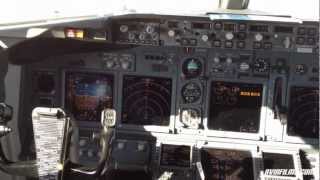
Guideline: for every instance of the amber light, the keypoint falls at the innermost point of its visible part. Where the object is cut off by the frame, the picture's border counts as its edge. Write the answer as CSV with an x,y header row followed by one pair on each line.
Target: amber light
x,y
74,33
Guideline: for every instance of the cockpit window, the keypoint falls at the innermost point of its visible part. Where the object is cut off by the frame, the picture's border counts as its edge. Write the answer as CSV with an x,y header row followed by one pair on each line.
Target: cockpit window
x,y
35,10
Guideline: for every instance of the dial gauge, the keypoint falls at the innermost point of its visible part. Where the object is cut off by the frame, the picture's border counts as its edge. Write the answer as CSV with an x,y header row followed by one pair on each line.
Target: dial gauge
x,y
192,67
191,118
191,92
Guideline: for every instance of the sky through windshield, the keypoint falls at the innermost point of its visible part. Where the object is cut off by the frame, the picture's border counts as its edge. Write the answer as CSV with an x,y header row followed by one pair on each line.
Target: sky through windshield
x,y
21,10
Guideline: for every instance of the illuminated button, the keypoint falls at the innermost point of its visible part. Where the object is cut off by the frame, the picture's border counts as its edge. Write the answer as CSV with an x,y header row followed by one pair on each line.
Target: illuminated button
x,y
241,36
110,64
141,147
80,152
83,142
300,69
228,44
90,153
217,26
300,40
311,41
242,27
241,44
193,42
267,45
184,42
217,43
125,65
120,145
244,66
257,45
258,37
301,31
311,31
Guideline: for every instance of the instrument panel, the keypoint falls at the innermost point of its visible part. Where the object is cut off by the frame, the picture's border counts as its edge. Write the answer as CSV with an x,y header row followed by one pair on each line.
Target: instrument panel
x,y
189,79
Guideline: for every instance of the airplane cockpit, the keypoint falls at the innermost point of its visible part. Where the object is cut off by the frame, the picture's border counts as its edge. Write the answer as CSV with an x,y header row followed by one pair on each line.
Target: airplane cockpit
x,y
227,95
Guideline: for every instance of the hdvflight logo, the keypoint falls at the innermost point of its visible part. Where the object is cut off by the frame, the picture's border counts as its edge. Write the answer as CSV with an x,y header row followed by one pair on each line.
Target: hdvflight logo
x,y
286,172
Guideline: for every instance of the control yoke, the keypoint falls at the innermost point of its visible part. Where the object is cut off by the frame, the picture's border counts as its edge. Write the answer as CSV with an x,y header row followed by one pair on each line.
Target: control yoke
x,y
53,132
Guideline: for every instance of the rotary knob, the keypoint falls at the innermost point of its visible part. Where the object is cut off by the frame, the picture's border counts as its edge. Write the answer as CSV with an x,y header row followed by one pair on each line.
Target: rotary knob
x,y
171,33
204,38
229,60
229,35
216,60
149,29
124,28
142,36
258,37
131,36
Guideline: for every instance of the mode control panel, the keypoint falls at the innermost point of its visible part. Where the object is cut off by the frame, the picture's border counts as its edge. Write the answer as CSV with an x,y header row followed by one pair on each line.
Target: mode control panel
x,y
137,32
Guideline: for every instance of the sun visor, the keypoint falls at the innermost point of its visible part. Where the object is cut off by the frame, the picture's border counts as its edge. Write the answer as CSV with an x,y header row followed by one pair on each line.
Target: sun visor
x,y
55,42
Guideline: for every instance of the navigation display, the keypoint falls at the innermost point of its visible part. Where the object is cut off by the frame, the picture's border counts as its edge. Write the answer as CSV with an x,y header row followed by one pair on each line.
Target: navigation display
x,y
146,100
175,155
87,94
220,164
235,107
303,119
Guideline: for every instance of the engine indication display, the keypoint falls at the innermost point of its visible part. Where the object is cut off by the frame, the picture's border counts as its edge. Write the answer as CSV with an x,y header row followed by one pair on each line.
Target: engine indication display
x,y
146,100
235,107
303,119
227,164
175,155
192,67
87,94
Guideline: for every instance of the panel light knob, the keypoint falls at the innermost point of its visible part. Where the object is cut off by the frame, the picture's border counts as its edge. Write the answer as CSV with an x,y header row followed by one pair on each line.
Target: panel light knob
x,y
229,35
258,37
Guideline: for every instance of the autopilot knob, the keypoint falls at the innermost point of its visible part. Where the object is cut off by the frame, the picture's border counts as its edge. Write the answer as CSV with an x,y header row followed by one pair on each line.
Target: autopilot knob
x,y
171,33
149,29
258,37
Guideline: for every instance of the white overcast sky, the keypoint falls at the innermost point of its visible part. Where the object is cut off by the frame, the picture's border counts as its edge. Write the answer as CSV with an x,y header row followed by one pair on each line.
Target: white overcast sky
x,y
21,10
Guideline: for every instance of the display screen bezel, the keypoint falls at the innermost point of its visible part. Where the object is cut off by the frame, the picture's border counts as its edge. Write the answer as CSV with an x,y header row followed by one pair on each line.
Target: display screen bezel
x,y
90,72
211,105
175,166
231,134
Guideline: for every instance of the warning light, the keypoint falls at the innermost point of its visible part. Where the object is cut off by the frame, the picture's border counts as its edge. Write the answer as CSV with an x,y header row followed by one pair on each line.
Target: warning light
x,y
74,33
